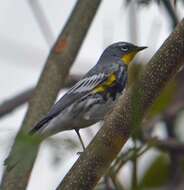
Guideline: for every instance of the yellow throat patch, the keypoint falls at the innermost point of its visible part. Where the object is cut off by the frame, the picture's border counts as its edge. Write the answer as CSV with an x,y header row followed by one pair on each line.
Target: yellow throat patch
x,y
128,57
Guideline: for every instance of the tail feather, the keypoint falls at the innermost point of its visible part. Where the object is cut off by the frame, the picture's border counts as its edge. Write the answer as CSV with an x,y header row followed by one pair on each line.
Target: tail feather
x,y
39,125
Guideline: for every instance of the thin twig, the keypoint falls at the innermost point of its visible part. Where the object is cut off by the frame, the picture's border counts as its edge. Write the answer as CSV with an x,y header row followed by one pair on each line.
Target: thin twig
x,y
9,105
12,103
167,145
140,152
117,184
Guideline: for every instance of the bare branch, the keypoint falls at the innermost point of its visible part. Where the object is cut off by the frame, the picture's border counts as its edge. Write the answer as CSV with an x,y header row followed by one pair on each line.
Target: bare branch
x,y
168,145
11,104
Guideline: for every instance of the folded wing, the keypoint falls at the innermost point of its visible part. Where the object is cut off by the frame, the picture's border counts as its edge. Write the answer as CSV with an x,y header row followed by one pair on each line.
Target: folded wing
x,y
83,87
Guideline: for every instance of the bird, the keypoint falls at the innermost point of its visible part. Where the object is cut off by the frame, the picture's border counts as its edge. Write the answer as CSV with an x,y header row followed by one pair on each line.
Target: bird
x,y
92,97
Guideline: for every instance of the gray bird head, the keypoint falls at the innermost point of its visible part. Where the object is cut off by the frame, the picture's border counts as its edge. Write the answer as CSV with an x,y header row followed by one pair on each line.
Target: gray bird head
x,y
123,50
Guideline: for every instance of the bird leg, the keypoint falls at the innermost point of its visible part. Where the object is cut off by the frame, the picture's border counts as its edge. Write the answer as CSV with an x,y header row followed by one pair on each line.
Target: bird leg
x,y
81,141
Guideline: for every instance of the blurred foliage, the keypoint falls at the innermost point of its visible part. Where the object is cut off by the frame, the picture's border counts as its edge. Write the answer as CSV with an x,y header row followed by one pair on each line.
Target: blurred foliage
x,y
143,2
158,173
147,2
165,98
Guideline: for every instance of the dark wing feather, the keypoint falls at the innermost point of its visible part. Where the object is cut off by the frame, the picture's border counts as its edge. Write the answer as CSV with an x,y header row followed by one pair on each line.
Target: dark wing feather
x,y
40,124
80,89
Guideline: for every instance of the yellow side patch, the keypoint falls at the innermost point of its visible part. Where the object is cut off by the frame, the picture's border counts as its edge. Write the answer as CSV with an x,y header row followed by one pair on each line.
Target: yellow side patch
x,y
99,89
128,57
108,83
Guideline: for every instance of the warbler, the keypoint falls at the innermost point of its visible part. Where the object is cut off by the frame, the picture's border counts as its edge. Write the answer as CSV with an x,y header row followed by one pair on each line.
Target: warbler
x,y
89,100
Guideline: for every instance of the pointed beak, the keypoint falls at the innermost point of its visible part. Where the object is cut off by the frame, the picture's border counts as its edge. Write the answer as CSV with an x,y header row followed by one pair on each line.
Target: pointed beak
x,y
141,48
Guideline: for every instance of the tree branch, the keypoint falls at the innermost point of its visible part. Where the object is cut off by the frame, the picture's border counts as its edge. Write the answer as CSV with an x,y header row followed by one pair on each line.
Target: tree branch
x,y
129,110
9,105
60,59
168,145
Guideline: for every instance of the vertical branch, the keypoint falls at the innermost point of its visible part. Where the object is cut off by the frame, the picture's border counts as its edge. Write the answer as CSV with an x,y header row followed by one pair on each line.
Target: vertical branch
x,y
60,59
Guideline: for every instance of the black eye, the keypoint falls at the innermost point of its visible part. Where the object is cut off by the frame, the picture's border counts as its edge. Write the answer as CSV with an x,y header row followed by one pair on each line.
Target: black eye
x,y
124,48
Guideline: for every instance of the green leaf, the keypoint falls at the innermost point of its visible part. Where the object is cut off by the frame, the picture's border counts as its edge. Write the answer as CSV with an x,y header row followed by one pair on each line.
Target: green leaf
x,y
158,173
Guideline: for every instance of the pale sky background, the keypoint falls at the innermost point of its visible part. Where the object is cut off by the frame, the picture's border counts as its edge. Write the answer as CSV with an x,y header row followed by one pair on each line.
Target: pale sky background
x,y
24,49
